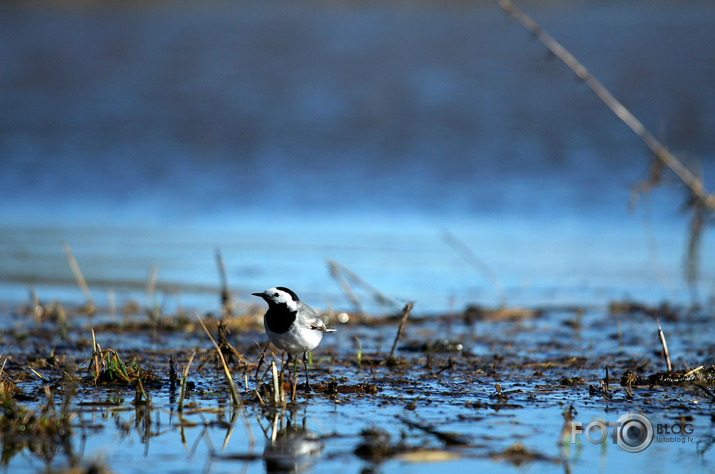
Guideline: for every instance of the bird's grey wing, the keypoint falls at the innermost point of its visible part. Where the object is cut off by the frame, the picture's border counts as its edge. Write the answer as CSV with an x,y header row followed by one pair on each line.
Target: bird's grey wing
x,y
319,325
315,321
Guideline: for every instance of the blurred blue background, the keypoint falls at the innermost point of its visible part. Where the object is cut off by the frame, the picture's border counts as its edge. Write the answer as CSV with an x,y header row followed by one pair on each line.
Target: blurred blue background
x,y
287,133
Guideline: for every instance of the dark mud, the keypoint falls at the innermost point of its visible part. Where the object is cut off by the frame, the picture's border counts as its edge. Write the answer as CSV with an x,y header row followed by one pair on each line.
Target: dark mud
x,y
490,388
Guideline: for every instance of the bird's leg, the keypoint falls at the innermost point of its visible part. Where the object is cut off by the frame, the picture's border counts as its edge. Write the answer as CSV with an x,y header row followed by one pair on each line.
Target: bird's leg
x,y
287,362
305,364
294,380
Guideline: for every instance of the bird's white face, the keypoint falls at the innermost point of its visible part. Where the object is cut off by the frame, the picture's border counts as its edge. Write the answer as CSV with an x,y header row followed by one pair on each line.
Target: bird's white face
x,y
279,297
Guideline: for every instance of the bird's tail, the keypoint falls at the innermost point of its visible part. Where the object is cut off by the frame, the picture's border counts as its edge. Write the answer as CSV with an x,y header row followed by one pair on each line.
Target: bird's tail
x,y
320,326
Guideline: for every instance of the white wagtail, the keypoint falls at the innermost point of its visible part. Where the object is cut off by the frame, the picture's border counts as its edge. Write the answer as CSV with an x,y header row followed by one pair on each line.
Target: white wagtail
x,y
292,325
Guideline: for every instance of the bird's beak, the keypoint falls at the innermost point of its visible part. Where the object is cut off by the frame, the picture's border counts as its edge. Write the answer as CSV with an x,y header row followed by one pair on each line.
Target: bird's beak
x,y
260,295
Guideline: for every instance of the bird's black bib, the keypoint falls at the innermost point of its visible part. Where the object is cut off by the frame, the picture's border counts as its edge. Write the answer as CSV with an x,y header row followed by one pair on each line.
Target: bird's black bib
x,y
279,319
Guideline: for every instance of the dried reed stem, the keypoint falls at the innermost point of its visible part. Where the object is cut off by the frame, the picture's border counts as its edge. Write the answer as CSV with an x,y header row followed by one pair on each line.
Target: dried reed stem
x,y
276,385
344,286
96,351
79,278
184,378
405,313
226,306
232,386
666,354
658,149
140,389
467,254
342,274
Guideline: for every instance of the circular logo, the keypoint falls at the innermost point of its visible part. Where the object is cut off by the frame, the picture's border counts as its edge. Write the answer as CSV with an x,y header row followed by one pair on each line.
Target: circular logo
x,y
634,432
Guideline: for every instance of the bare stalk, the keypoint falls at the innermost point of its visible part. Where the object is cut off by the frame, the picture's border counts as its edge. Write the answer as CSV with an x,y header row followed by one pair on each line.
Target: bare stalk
x,y
344,286
184,378
655,146
276,385
343,274
467,254
79,278
405,313
666,354
232,386
226,306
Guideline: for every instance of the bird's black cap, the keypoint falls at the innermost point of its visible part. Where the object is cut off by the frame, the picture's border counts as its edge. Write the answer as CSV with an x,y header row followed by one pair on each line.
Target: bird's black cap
x,y
282,288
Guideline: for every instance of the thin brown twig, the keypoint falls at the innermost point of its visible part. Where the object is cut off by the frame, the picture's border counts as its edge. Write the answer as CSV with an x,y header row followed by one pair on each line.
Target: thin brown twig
x,y
655,146
706,390
236,398
140,390
344,286
405,313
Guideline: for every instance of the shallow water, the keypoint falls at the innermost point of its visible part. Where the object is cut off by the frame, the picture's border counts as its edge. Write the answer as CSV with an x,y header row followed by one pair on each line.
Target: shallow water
x,y
287,135
451,393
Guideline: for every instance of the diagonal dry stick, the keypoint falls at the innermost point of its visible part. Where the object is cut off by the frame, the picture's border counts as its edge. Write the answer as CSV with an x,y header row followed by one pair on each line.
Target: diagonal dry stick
x,y
235,397
347,290
467,254
342,274
405,313
658,149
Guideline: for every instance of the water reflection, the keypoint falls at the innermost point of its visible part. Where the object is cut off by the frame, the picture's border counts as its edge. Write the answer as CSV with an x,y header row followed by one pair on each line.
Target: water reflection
x,y
290,447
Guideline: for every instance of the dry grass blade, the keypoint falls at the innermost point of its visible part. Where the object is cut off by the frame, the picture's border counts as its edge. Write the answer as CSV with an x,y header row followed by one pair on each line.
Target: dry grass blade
x,y
666,354
230,353
74,266
150,288
277,392
96,355
38,375
235,397
184,379
141,392
691,372
344,286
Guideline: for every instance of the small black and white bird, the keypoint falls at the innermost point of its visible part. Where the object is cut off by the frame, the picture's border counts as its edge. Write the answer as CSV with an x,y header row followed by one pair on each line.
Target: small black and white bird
x,y
292,325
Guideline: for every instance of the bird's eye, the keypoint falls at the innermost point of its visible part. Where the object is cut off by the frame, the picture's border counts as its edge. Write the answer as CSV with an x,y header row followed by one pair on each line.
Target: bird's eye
x,y
275,295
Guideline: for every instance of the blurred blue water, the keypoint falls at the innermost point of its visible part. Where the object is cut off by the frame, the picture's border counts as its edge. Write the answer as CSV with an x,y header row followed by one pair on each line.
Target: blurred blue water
x,y
289,134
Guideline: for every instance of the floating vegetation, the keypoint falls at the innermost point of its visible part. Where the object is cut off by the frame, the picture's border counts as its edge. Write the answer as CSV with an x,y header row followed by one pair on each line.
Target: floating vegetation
x,y
697,377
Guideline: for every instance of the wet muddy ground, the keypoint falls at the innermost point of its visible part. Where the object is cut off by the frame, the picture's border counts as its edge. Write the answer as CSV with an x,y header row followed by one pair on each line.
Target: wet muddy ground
x,y
499,390
118,129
